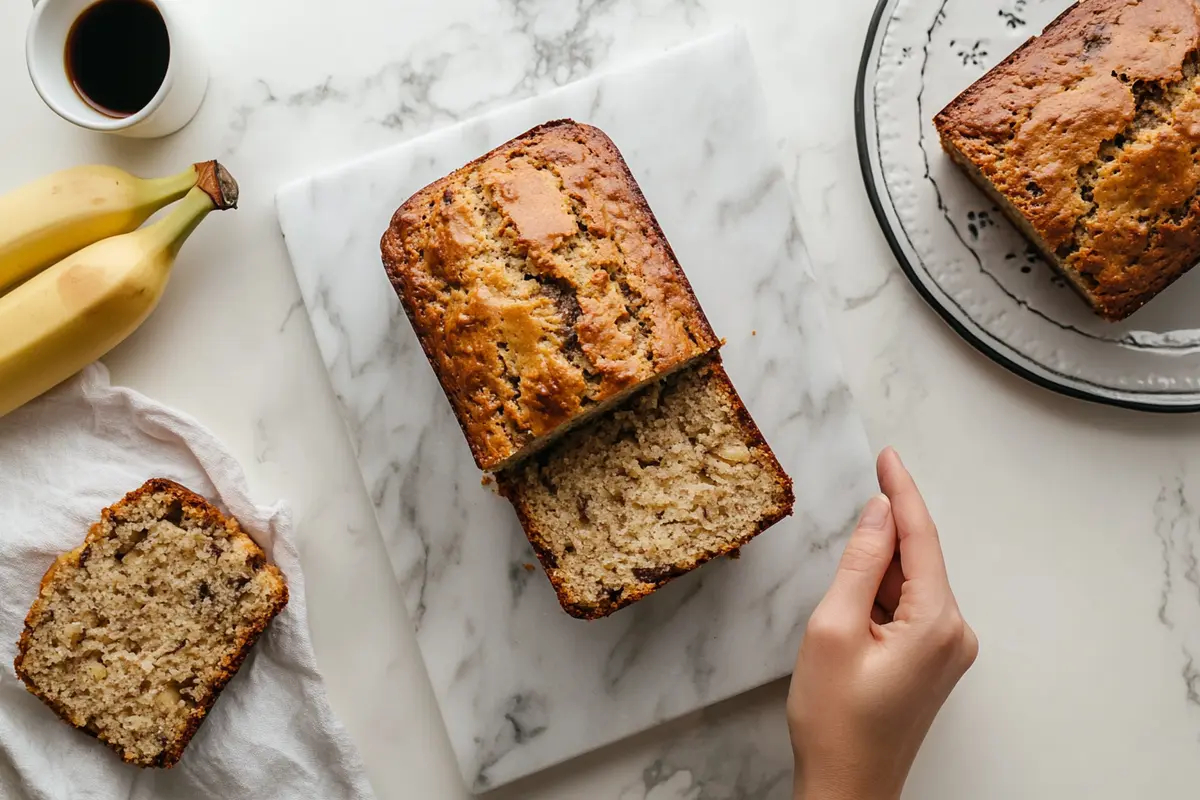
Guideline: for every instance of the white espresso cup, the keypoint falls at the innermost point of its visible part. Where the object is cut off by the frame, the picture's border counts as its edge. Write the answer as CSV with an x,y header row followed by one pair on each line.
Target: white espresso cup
x,y
172,107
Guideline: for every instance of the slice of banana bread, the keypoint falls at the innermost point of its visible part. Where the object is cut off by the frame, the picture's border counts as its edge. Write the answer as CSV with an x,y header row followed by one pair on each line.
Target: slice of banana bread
x,y
134,633
678,475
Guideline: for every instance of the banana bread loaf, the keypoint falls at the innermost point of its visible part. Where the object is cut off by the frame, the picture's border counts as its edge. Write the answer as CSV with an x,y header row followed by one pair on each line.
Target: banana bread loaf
x,y
135,633
677,475
1087,137
541,288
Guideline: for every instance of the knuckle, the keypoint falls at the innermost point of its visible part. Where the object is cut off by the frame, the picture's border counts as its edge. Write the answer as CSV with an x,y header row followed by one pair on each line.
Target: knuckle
x,y
950,631
955,640
970,646
825,628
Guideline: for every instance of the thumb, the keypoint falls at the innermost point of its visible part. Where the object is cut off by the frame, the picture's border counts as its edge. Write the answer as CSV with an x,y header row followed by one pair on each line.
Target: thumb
x,y
865,560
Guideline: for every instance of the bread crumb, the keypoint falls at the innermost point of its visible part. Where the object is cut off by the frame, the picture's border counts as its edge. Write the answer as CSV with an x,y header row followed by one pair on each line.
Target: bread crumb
x,y
529,567
754,333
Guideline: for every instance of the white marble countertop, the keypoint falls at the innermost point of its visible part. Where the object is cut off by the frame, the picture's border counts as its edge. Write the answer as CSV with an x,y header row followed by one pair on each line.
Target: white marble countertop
x,y
1072,532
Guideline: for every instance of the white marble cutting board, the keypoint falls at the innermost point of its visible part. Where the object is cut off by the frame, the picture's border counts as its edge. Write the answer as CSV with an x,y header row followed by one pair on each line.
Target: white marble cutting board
x,y
520,684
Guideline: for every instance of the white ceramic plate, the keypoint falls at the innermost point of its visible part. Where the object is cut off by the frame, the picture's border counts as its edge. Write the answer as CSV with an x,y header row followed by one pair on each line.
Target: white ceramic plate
x,y
971,265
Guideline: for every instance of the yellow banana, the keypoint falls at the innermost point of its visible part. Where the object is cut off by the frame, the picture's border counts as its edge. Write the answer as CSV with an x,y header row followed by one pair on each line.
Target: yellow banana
x,y
71,314
47,220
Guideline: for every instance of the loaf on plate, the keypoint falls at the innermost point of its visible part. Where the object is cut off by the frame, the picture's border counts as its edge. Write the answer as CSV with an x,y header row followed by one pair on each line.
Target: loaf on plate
x,y
677,475
1086,137
134,633
541,288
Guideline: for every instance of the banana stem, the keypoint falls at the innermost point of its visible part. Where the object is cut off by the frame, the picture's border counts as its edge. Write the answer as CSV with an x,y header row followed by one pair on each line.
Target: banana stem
x,y
172,187
172,231
215,189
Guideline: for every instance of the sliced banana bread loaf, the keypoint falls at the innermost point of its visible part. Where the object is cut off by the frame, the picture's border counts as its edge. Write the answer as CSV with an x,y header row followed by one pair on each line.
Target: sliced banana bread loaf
x,y
541,288
134,633
677,475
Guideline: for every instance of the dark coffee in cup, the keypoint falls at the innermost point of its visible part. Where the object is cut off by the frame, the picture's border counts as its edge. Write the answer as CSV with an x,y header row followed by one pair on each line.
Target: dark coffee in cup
x,y
117,55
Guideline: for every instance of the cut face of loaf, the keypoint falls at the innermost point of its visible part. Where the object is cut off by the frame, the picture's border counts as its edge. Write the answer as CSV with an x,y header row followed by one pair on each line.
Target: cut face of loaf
x,y
541,288
676,476
1086,137
134,634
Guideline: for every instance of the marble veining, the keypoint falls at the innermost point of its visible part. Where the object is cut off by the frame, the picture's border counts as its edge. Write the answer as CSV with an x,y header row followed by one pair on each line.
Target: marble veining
x,y
521,686
470,62
1177,527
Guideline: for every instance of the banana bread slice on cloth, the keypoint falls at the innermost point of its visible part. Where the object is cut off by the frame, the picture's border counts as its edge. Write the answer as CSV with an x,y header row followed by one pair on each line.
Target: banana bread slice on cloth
x,y
271,734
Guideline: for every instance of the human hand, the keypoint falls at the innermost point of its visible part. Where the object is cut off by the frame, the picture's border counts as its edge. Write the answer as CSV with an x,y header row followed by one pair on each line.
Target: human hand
x,y
882,652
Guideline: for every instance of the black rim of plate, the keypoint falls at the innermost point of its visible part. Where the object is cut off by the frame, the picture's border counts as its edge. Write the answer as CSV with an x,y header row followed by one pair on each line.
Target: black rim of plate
x,y
864,161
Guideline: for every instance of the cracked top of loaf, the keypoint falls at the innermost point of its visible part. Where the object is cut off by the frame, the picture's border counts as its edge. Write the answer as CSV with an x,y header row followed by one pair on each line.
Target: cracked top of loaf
x,y
541,288
1087,135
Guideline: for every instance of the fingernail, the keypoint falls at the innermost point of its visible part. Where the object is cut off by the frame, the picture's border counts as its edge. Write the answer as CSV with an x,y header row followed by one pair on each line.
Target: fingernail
x,y
875,513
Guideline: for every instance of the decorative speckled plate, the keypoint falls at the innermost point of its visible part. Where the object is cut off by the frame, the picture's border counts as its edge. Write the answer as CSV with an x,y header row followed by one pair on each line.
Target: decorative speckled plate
x,y
962,255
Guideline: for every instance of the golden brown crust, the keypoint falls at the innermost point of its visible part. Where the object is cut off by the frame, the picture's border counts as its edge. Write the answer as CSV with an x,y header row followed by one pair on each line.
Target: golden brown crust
x,y
229,667
1088,134
582,608
197,508
541,288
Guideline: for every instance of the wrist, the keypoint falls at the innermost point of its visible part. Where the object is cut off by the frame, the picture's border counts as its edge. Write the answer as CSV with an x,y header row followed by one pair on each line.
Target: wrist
x,y
838,792
844,787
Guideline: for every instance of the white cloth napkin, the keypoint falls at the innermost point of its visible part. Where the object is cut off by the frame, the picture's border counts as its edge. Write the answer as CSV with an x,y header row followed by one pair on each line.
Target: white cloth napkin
x,y
271,733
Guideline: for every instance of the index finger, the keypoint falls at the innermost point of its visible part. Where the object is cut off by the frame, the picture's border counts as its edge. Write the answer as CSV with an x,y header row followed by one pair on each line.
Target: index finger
x,y
920,548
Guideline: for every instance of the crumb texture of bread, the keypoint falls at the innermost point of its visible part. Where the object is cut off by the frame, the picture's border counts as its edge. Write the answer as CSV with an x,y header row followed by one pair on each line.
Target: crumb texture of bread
x,y
541,288
1087,136
134,634
676,476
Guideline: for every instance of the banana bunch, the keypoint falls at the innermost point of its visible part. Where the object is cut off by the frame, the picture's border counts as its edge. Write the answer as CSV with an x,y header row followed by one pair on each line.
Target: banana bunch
x,y
77,275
